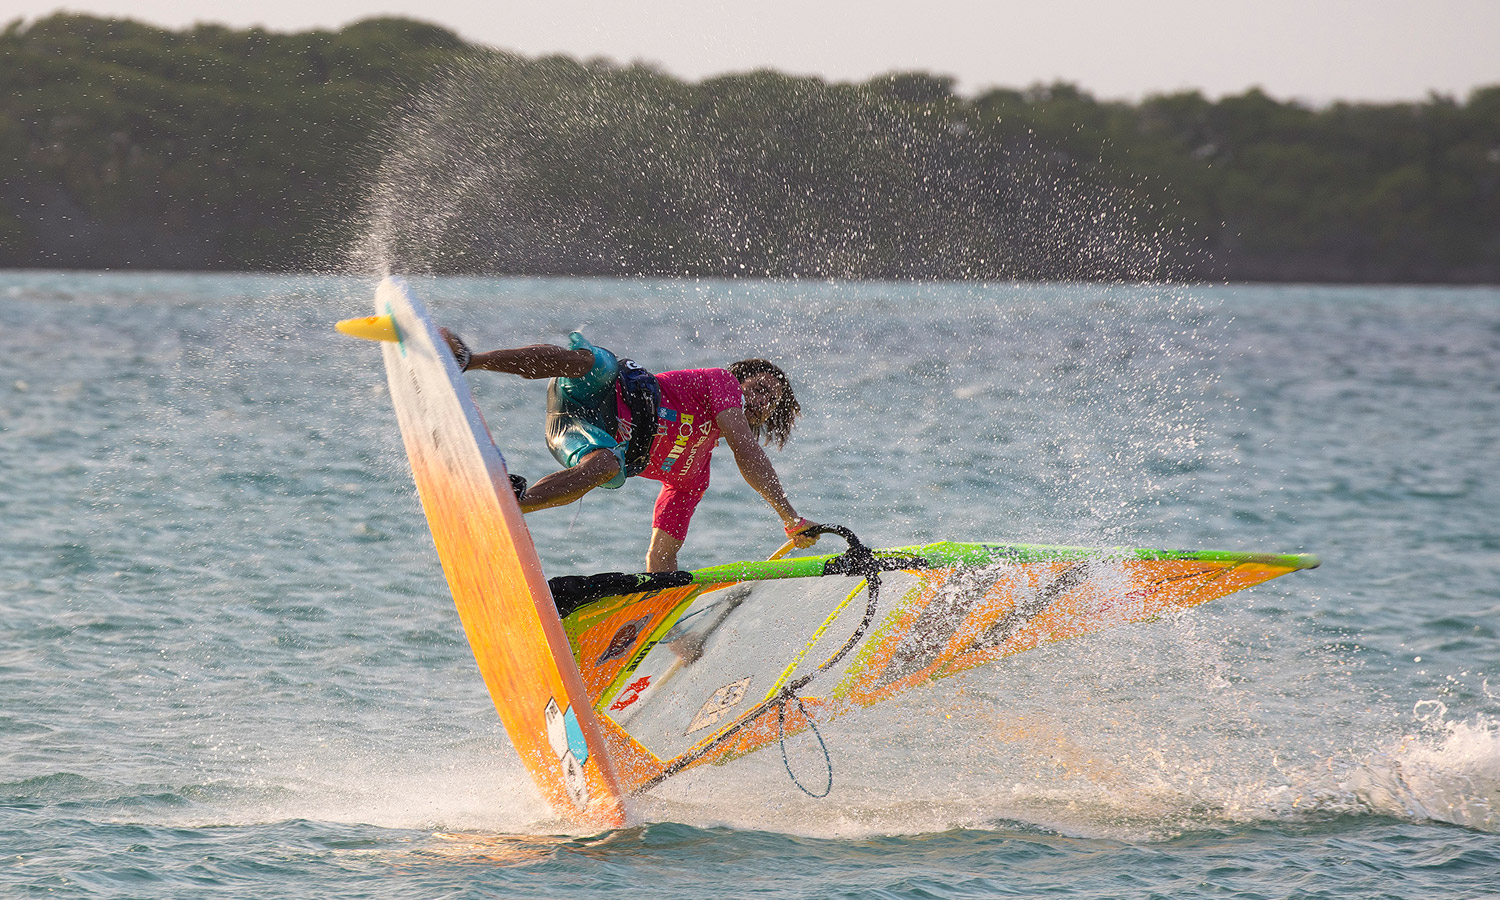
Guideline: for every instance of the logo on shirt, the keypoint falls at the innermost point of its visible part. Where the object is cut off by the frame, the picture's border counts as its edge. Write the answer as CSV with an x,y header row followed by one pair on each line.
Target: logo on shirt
x,y
684,435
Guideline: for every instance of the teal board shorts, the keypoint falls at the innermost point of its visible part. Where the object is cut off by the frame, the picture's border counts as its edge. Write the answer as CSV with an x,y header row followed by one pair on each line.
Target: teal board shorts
x,y
582,415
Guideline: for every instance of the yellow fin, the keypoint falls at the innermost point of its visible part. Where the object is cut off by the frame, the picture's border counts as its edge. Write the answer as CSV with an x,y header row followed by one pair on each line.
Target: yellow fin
x,y
371,328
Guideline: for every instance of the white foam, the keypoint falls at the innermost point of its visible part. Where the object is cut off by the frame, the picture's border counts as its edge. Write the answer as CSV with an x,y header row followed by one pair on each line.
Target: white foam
x,y
1450,773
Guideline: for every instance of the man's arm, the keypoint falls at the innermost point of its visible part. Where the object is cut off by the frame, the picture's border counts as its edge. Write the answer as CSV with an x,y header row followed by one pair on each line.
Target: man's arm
x,y
756,467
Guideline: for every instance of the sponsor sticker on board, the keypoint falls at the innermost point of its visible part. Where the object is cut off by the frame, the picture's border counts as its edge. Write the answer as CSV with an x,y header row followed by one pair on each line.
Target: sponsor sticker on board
x,y
566,738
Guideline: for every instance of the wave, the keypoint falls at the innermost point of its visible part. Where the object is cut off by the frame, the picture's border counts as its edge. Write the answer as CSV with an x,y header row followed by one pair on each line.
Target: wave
x,y
1449,774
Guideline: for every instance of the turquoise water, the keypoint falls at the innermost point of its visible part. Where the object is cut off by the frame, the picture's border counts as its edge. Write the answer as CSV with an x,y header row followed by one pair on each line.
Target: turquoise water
x,y
229,665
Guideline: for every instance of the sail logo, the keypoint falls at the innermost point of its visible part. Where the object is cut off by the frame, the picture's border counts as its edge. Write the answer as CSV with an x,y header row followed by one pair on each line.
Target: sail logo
x,y
631,693
624,639
723,700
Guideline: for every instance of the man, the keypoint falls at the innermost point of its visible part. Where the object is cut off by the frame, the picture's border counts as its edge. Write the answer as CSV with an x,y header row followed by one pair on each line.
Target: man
x,y
596,404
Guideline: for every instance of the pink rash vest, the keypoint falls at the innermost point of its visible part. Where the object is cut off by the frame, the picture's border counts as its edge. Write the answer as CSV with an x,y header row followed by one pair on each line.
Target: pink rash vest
x,y
686,432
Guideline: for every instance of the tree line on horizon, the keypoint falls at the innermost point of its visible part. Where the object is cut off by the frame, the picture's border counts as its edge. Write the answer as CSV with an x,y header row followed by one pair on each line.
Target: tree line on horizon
x,y
393,143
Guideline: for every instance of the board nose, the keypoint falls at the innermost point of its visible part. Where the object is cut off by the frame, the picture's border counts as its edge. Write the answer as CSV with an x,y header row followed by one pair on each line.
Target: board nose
x,y
371,328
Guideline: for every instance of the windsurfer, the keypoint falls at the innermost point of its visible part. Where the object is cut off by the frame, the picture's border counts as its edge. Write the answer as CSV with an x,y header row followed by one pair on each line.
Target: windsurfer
x,y
596,404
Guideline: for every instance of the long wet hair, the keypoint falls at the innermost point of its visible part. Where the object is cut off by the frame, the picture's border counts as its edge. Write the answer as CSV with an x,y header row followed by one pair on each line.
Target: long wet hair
x,y
784,412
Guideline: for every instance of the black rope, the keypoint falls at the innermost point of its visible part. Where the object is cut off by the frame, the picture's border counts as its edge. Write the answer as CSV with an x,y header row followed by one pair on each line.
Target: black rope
x,y
781,738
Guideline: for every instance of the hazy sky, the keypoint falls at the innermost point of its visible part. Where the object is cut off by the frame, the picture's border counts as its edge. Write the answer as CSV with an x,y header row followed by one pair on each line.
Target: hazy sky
x,y
1316,50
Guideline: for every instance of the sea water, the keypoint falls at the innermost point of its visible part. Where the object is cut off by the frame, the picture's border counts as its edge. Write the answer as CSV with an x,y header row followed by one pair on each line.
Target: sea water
x,y
229,665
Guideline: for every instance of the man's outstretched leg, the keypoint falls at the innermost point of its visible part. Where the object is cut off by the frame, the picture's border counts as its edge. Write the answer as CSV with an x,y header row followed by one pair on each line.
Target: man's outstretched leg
x,y
535,361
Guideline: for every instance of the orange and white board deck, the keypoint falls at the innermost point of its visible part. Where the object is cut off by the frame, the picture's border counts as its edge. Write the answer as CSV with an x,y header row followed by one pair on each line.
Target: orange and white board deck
x,y
491,565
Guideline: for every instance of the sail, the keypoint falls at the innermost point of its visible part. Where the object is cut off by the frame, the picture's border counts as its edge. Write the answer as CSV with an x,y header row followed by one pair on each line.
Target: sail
x,y
703,672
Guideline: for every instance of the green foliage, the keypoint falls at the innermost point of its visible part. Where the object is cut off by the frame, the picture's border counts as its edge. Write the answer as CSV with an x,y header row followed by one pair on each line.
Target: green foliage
x,y
127,145
203,148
